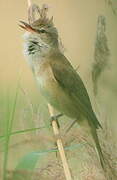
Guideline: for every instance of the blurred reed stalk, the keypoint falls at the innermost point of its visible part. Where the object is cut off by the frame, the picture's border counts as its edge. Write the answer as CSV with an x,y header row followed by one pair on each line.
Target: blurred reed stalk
x,y
110,3
101,53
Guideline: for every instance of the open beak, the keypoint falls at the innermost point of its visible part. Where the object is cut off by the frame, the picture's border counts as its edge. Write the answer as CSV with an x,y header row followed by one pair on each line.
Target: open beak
x,y
27,27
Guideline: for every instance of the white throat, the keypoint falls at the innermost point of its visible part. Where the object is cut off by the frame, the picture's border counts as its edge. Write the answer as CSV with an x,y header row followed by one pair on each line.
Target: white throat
x,y
34,48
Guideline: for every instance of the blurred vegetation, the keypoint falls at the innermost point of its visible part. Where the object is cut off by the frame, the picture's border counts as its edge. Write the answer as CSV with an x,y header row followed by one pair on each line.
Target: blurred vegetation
x,y
29,149
112,5
101,54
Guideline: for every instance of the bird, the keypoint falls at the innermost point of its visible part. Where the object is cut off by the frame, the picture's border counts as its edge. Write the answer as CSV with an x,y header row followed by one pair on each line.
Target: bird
x,y
57,80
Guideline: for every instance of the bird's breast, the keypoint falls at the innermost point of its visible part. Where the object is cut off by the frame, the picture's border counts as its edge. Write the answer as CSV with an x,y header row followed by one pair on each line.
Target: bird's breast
x,y
45,79
54,93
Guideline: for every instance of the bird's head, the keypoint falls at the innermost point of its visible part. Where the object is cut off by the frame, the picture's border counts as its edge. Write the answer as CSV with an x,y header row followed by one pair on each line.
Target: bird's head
x,y
42,29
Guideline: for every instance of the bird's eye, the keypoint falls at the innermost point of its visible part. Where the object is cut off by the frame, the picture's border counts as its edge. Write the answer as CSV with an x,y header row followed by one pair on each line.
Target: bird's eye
x,y
42,31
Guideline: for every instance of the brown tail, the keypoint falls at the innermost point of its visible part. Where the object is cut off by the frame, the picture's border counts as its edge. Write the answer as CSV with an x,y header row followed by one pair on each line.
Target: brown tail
x,y
98,147
108,170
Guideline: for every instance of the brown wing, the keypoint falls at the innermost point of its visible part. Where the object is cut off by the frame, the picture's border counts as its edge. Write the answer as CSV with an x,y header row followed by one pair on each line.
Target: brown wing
x,y
72,84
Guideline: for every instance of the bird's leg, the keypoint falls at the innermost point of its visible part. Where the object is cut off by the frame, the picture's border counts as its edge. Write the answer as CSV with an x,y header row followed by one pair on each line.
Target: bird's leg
x,y
70,126
55,118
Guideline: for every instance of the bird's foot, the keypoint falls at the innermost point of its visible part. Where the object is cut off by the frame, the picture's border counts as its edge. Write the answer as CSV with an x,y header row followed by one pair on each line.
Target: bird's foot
x,y
55,118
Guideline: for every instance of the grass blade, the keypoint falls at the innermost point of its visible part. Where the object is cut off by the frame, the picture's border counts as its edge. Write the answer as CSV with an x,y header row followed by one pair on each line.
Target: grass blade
x,y
23,131
9,124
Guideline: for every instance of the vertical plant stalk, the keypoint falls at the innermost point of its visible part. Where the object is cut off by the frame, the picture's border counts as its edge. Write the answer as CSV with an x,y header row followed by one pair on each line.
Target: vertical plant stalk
x,y
6,139
29,3
101,53
10,119
60,145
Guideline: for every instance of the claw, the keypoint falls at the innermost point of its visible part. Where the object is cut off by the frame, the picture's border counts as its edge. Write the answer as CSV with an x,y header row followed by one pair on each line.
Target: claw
x,y
55,118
